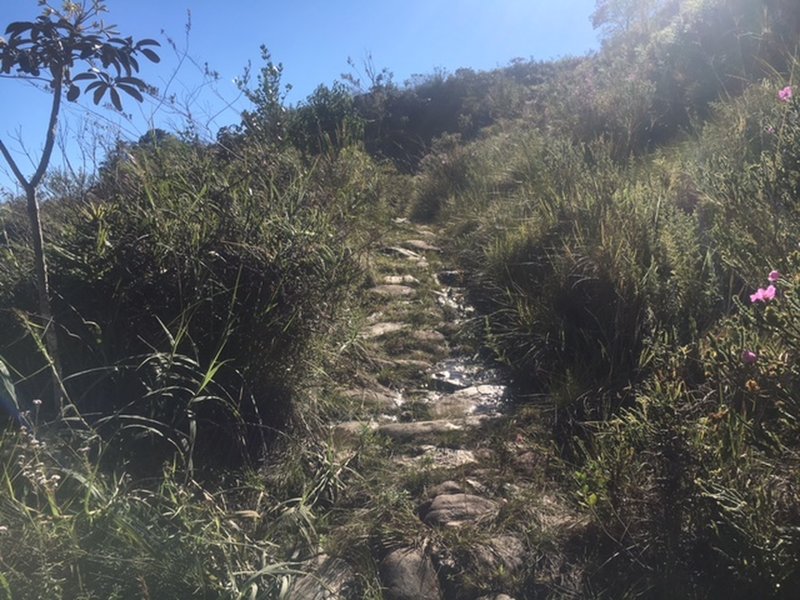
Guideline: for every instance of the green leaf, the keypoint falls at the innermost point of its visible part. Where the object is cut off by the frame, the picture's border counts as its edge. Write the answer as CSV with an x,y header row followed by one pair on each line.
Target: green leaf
x,y
135,81
98,93
131,91
73,93
85,76
18,27
115,99
151,55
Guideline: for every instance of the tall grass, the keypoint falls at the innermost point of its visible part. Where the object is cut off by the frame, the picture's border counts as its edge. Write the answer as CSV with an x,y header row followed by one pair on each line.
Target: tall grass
x,y
618,290
190,289
200,290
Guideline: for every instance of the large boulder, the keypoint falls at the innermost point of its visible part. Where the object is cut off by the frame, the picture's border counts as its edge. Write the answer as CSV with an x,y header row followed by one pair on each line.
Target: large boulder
x,y
408,574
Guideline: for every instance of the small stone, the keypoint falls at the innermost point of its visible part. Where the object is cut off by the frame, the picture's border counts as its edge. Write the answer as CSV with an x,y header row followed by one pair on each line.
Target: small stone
x,y
452,510
408,574
446,487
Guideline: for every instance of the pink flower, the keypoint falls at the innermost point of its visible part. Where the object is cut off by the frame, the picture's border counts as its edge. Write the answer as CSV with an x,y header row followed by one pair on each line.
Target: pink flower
x,y
785,95
749,357
763,295
774,276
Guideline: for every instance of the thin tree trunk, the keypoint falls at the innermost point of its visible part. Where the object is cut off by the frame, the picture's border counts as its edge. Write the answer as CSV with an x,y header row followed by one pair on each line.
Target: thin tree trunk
x,y
43,291
40,265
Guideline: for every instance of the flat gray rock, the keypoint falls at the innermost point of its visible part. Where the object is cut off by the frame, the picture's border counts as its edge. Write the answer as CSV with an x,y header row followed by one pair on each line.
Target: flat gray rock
x,y
401,279
393,291
474,400
408,574
431,337
378,397
419,431
401,252
420,246
446,487
348,434
452,510
381,329
406,363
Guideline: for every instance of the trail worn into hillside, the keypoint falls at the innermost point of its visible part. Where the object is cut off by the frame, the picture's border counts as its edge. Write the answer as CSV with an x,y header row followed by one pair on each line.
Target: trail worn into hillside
x,y
449,493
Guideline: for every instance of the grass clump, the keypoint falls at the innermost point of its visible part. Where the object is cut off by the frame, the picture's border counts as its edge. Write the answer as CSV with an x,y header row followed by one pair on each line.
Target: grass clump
x,y
190,292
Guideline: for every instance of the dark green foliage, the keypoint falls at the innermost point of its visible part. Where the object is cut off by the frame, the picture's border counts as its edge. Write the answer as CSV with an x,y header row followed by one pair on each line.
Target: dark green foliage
x,y
402,123
328,119
188,293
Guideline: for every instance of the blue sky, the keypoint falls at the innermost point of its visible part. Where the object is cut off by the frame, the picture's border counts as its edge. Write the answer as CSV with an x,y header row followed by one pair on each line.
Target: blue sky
x,y
312,38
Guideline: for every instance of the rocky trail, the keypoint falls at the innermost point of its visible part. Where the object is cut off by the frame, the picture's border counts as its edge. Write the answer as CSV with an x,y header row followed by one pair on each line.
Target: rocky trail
x,y
470,510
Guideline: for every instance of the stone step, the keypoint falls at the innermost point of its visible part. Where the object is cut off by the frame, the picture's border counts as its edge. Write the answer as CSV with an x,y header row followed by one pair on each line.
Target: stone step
x,y
420,246
400,280
425,431
381,329
453,510
392,291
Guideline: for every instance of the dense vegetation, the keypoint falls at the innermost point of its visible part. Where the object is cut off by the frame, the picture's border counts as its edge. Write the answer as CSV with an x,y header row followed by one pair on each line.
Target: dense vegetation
x,y
628,222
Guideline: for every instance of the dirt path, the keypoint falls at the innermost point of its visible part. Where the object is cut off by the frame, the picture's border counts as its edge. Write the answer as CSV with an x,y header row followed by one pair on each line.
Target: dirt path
x,y
450,496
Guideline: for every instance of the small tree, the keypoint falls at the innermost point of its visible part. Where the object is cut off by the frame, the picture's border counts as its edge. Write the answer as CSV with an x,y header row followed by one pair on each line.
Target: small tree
x,y
48,51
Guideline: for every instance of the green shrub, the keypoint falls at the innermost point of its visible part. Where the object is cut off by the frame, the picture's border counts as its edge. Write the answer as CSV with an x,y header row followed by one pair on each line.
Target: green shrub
x,y
696,486
188,294
579,262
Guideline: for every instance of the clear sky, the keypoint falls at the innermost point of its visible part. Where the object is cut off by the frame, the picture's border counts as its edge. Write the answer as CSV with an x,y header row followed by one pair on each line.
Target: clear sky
x,y
311,38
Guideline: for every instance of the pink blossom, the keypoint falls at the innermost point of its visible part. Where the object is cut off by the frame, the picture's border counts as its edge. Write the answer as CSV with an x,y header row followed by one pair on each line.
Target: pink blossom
x,y
749,357
785,95
774,276
763,295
